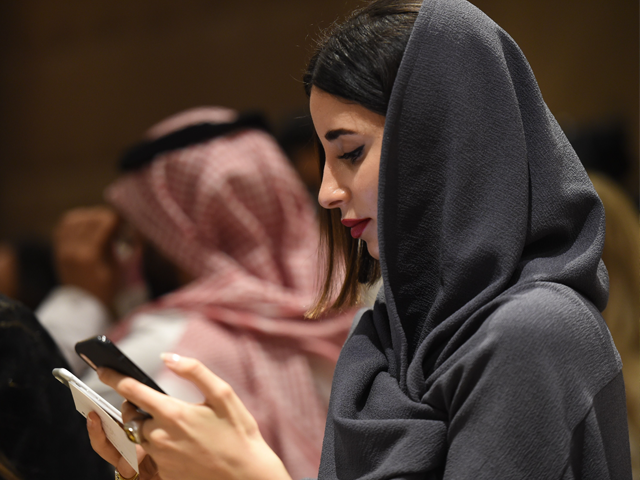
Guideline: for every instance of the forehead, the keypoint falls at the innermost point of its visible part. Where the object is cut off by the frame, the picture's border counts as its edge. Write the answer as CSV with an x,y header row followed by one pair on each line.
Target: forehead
x,y
330,112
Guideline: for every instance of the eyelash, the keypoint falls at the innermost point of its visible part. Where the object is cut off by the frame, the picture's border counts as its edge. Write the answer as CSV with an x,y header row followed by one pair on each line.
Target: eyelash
x,y
353,155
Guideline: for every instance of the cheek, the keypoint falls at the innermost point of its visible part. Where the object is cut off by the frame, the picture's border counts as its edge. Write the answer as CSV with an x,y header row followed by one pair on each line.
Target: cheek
x,y
371,179
368,189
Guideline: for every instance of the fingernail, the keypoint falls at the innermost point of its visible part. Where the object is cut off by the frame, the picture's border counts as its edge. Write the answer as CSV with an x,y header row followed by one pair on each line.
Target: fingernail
x,y
170,358
89,422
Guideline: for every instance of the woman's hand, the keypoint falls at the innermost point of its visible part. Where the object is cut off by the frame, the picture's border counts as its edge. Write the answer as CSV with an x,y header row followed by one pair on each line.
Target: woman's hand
x,y
104,448
216,439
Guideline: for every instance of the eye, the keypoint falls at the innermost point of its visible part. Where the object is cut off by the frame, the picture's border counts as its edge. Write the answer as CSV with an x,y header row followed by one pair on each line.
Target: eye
x,y
353,155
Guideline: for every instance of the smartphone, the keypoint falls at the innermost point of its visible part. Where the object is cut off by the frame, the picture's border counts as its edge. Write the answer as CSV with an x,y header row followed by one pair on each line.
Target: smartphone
x,y
99,351
65,377
86,401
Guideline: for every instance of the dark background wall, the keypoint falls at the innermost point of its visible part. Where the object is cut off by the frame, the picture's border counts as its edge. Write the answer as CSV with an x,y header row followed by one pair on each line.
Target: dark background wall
x,y
82,80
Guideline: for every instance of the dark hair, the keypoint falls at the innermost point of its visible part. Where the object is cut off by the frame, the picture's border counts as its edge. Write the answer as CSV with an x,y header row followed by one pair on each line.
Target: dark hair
x,y
37,439
356,60
36,273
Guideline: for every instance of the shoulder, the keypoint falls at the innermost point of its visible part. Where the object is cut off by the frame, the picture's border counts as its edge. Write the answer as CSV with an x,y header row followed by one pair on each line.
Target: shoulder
x,y
549,312
538,338
541,354
551,328
518,390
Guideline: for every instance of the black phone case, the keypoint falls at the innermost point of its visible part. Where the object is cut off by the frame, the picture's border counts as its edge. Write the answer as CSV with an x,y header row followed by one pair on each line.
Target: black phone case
x,y
101,352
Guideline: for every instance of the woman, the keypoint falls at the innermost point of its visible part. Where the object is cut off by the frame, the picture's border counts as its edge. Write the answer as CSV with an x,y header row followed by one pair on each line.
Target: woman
x,y
485,355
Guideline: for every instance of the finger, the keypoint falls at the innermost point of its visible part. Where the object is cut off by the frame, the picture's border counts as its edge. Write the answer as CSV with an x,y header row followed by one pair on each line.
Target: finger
x,y
144,397
97,226
108,223
129,411
99,441
148,468
98,223
88,228
218,394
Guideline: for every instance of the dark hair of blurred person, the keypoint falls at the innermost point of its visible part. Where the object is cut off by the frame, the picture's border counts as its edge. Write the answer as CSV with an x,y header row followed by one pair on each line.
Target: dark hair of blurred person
x,y
602,147
42,436
27,272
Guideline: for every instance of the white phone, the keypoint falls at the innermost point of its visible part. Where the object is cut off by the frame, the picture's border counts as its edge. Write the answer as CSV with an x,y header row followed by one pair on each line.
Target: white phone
x,y
65,377
87,400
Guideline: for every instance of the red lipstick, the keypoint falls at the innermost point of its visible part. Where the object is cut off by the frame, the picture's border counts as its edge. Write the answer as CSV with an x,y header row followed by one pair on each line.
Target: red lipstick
x,y
357,225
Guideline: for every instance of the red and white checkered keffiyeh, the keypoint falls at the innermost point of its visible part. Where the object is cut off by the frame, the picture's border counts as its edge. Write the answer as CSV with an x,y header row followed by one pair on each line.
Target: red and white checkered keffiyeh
x,y
233,213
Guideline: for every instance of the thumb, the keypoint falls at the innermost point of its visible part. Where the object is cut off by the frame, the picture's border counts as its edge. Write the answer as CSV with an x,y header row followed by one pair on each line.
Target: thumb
x,y
218,394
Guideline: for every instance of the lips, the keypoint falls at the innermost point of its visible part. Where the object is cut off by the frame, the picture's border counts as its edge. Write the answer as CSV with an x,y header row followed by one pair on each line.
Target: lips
x,y
357,225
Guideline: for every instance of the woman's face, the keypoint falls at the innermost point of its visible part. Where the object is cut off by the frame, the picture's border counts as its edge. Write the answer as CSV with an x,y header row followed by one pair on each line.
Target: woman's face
x,y
352,139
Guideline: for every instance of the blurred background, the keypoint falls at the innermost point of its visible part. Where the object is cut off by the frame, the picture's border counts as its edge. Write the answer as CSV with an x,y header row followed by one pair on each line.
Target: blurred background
x,y
82,80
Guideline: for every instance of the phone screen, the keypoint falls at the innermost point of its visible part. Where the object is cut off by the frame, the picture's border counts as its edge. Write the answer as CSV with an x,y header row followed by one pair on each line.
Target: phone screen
x,y
101,352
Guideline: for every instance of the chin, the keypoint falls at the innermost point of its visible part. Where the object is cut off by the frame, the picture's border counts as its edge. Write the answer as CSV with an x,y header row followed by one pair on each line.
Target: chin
x,y
373,250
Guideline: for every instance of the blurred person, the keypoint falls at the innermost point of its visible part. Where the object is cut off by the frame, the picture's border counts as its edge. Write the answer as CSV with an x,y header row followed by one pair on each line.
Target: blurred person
x,y
621,255
97,257
603,150
42,436
485,355
229,245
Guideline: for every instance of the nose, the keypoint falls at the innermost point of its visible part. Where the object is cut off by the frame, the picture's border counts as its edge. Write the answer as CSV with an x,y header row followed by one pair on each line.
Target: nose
x,y
331,194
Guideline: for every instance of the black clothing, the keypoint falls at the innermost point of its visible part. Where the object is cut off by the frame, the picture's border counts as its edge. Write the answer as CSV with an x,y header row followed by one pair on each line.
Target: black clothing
x,y
487,356
42,436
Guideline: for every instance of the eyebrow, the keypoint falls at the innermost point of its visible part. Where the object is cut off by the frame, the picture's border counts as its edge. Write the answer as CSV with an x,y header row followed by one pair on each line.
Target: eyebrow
x,y
331,135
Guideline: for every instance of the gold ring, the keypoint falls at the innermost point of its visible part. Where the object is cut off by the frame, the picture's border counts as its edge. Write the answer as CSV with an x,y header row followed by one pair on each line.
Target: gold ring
x,y
133,429
120,477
